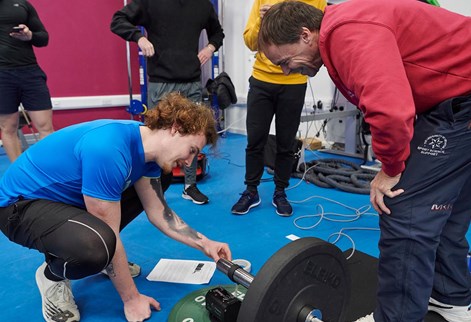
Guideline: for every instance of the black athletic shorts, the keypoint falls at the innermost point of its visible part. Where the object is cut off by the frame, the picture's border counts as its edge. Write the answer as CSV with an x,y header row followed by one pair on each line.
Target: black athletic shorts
x,y
26,85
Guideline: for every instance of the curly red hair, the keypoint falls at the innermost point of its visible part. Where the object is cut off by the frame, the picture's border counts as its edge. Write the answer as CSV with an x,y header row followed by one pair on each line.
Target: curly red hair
x,y
188,117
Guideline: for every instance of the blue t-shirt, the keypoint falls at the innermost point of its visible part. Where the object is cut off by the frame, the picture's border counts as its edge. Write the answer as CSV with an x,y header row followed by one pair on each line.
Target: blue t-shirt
x,y
99,159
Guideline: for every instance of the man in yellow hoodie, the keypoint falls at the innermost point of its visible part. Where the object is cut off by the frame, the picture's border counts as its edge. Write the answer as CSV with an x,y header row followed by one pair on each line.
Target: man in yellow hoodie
x,y
271,92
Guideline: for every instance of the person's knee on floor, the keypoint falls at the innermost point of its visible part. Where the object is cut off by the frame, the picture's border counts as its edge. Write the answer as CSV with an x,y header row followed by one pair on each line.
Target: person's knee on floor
x,y
85,259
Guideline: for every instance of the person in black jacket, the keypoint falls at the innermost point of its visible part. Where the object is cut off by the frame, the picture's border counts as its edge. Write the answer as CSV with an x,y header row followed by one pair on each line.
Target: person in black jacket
x,y
21,78
171,46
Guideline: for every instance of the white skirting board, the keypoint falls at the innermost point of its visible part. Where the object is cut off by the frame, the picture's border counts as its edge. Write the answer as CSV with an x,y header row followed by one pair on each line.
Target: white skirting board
x,y
80,102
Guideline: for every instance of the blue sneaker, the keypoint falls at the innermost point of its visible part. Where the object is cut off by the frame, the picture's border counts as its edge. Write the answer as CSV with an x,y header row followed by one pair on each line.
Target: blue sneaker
x,y
247,201
282,205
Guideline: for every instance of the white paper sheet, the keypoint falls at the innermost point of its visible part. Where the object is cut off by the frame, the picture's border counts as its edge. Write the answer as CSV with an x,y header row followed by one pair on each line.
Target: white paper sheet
x,y
292,237
182,271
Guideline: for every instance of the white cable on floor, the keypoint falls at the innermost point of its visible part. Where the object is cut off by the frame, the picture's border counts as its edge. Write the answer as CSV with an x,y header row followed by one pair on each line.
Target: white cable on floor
x,y
334,217
341,233
329,216
302,179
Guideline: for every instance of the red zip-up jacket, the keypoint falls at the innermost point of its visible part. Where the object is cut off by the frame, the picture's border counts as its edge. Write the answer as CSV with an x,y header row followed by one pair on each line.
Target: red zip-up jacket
x,y
394,60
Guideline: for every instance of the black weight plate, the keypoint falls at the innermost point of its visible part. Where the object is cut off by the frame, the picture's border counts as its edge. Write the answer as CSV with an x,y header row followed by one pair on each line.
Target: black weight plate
x,y
308,271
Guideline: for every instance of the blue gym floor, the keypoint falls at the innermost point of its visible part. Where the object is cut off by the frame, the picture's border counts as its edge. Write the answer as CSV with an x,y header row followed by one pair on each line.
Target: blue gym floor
x,y
254,237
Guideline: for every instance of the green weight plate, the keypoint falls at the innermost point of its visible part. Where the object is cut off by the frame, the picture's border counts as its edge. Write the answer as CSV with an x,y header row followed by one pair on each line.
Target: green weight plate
x,y
192,308
306,272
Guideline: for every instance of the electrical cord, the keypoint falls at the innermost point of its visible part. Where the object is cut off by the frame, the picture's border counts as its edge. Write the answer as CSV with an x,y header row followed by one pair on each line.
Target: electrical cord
x,y
311,123
334,217
302,178
230,125
341,233
330,216
225,156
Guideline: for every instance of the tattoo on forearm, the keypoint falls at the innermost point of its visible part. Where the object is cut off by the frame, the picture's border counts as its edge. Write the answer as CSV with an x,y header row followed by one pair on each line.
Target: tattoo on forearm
x,y
174,221
110,270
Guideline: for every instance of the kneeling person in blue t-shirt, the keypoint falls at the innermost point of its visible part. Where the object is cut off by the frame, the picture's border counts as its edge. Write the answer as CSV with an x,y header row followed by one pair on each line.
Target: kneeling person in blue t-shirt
x,y
70,195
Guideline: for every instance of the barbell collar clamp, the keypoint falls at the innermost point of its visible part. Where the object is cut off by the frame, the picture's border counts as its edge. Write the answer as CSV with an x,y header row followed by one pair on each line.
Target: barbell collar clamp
x,y
236,273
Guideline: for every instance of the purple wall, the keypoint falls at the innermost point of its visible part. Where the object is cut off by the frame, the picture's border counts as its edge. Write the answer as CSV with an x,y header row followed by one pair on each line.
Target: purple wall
x,y
84,58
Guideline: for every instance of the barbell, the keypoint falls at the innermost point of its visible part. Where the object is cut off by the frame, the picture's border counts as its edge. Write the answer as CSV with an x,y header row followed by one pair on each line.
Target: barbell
x,y
305,281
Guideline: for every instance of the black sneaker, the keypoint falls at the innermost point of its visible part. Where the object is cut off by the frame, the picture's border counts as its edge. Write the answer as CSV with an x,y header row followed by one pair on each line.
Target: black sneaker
x,y
283,208
192,193
247,201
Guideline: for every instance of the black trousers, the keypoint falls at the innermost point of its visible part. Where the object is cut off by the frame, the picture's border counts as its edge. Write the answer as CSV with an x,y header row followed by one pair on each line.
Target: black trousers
x,y
423,244
75,243
264,100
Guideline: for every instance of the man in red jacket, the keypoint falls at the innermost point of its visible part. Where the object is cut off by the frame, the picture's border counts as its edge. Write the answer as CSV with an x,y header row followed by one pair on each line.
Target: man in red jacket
x,y
407,66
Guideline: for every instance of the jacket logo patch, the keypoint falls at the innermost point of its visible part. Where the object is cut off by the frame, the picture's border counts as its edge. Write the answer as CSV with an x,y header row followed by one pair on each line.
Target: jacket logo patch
x,y
436,207
433,145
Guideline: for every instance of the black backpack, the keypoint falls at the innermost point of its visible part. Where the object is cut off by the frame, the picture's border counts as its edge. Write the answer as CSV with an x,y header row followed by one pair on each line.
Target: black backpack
x,y
223,88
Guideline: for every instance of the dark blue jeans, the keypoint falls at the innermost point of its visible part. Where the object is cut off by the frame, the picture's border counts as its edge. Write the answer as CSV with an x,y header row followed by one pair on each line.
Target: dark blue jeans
x,y
423,244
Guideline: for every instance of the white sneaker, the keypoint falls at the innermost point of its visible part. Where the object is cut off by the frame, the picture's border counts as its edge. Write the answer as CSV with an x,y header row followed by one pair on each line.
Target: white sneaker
x,y
451,313
58,303
368,318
